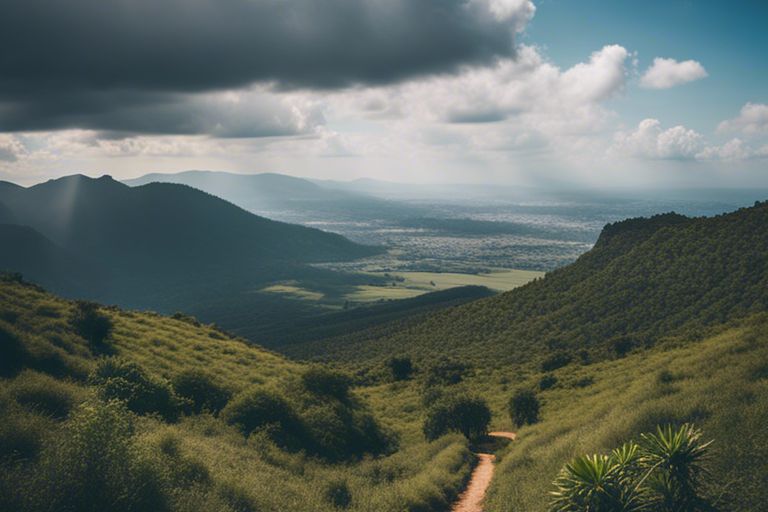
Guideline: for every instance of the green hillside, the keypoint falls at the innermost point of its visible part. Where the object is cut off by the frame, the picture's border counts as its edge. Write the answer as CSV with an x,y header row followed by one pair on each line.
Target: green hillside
x,y
65,446
644,280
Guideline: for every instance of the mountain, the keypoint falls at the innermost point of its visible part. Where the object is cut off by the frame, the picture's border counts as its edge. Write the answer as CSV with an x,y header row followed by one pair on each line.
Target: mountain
x,y
645,279
295,199
161,241
28,252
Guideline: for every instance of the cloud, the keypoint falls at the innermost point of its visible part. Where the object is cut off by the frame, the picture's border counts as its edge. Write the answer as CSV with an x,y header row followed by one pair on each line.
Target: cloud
x,y
244,113
666,73
734,149
10,148
201,45
752,120
650,141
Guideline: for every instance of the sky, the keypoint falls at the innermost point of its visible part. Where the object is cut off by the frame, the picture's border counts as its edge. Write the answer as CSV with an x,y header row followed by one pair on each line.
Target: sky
x,y
566,93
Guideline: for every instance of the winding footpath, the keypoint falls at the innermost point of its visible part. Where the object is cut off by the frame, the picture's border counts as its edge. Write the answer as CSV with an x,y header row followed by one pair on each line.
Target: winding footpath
x,y
471,500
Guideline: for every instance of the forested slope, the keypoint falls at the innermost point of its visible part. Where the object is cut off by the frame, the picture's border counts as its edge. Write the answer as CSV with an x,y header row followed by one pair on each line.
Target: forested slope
x,y
645,279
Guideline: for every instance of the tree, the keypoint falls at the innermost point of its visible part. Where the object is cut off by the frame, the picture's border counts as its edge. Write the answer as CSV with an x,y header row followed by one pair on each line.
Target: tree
x,y
524,408
465,414
326,382
400,367
89,323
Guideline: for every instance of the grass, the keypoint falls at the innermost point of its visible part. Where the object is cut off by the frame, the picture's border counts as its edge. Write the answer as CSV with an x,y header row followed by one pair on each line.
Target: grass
x,y
233,472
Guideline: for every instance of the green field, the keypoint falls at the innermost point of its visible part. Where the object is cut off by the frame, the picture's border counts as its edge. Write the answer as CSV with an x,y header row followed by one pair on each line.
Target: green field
x,y
404,285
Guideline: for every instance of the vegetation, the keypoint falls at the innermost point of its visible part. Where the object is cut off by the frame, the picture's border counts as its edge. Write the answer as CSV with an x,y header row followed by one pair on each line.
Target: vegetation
x,y
94,327
71,437
465,414
524,408
400,367
664,472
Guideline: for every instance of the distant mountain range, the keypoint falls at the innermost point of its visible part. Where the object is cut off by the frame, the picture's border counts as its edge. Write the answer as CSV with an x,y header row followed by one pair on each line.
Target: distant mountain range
x,y
151,244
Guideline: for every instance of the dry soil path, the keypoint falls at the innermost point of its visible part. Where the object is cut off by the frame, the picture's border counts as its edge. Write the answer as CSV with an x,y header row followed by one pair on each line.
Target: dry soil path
x,y
471,500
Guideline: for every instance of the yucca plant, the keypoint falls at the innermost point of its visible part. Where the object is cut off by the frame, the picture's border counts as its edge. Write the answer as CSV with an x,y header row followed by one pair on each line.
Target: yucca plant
x,y
677,458
663,474
600,483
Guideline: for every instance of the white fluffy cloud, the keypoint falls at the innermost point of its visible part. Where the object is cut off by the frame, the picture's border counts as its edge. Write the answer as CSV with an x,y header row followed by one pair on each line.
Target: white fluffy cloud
x,y
10,148
650,140
752,120
666,73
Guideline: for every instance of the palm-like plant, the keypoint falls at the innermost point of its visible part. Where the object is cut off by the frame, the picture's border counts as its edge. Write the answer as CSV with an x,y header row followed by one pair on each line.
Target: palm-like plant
x,y
600,483
677,457
662,474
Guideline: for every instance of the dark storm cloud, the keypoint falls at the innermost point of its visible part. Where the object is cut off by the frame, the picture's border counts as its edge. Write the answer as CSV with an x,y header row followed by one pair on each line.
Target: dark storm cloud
x,y
69,62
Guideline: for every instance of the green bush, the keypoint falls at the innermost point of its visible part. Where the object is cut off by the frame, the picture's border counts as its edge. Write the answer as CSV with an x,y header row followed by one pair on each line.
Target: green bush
x,y
401,368
337,493
89,323
556,361
465,414
95,466
547,382
43,394
338,431
524,407
446,372
124,380
12,351
21,432
259,408
325,382
202,393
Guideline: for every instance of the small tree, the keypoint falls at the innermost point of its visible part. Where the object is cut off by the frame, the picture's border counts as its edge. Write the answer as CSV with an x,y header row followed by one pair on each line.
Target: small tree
x,y
89,323
465,414
400,367
259,408
524,408
201,391
446,372
326,382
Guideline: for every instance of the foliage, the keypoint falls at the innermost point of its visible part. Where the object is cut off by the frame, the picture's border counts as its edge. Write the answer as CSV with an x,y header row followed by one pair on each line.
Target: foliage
x,y
43,394
260,408
662,474
124,380
199,389
326,382
524,407
445,372
458,413
547,381
337,494
91,324
401,368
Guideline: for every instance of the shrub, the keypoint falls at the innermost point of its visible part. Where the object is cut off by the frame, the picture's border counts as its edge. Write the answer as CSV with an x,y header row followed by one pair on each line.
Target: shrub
x,y
43,394
524,408
337,431
124,380
556,361
95,466
326,382
547,382
622,346
465,414
337,493
401,368
446,372
12,351
259,408
21,432
94,327
200,391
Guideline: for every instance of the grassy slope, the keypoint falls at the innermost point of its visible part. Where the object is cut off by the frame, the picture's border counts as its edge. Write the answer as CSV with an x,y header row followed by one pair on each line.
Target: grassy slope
x,y
420,476
720,383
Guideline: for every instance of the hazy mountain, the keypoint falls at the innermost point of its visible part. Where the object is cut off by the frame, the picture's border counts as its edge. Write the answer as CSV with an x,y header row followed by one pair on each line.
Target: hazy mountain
x,y
279,194
28,252
165,240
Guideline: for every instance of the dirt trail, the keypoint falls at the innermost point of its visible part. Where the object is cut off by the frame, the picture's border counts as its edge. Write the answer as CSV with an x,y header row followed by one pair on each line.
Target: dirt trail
x,y
471,500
